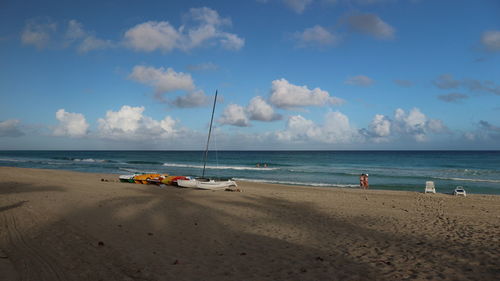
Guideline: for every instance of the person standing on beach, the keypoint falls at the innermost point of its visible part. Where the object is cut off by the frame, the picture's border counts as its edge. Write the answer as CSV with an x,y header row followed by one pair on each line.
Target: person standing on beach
x,y
362,181
365,181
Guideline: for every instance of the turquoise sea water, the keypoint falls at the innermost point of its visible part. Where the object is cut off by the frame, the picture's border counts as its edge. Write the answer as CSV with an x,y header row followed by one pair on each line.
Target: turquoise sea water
x,y
477,171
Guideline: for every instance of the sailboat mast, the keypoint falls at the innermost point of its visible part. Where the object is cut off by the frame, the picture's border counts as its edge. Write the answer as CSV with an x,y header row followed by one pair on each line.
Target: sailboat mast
x,y
209,133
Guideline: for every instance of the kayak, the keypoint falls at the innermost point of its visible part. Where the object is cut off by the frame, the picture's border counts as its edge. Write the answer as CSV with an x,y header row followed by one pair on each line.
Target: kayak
x,y
172,180
127,178
145,178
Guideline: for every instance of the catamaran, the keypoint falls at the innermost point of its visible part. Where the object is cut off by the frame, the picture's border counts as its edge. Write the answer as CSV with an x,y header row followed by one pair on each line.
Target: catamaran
x,y
202,182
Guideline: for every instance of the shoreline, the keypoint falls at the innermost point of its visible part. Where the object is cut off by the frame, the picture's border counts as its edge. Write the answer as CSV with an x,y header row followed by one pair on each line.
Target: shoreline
x,y
290,184
63,225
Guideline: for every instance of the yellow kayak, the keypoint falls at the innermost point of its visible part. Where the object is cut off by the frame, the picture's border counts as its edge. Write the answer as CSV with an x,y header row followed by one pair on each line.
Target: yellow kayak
x,y
143,179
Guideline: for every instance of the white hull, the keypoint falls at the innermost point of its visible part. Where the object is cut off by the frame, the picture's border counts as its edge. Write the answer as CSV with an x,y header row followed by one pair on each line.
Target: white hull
x,y
208,185
187,183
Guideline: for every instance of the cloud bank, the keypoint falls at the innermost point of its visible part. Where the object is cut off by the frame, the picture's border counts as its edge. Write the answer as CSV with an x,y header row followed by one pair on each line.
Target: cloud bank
x,y
10,128
202,27
130,124
335,129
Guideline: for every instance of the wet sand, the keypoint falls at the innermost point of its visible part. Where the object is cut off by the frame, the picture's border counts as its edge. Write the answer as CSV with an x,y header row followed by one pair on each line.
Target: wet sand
x,y
59,225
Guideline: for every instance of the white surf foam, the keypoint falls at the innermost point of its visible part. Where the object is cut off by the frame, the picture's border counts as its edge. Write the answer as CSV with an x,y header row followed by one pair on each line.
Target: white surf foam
x,y
219,167
471,180
298,183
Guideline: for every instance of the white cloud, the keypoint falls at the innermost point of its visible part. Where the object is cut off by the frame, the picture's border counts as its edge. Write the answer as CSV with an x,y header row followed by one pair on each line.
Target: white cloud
x,y
403,83
370,24
453,97
436,126
203,27
85,41
380,126
10,128
193,99
152,35
336,129
485,131
259,109
231,41
206,66
42,33
298,6
129,123
481,86
162,80
360,80
74,31
234,115
446,81
491,40
90,43
38,32
299,128
287,95
416,124
316,36
70,124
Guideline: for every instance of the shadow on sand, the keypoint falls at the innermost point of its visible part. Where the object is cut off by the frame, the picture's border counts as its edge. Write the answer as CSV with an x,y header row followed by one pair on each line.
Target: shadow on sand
x,y
183,234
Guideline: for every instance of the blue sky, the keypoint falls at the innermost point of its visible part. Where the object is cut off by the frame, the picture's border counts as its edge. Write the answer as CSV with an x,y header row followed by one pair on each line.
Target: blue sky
x,y
291,74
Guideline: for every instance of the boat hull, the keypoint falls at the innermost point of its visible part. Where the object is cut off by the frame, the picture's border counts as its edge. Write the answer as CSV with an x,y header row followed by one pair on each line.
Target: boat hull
x,y
207,184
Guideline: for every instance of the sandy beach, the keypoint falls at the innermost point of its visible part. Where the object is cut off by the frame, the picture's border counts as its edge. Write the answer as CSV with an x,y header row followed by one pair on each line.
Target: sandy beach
x,y
59,225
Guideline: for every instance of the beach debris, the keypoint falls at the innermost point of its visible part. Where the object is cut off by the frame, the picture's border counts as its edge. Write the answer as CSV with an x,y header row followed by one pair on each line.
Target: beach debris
x,y
150,233
303,270
100,243
243,254
176,262
319,259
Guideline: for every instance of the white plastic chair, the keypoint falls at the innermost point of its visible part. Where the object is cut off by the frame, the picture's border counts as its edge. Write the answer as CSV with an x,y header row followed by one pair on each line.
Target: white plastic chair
x,y
429,187
459,190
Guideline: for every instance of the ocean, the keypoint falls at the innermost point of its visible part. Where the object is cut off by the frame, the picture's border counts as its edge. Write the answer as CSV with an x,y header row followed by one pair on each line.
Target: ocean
x,y
477,171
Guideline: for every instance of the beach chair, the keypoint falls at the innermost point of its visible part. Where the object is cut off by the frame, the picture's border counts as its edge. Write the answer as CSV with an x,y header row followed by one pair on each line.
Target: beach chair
x,y
459,190
429,187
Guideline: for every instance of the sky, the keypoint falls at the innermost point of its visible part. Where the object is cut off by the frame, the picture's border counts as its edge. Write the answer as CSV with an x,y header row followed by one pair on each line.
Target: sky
x,y
290,74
